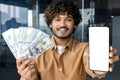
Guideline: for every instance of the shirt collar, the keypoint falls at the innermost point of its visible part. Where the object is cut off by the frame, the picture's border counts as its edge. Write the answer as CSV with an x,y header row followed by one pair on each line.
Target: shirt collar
x,y
68,45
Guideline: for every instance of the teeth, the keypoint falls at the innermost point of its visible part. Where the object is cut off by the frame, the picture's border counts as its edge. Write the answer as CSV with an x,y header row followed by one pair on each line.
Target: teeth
x,y
62,29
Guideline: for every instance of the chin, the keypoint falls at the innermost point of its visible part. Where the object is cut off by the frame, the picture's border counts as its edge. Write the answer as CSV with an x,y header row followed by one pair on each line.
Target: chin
x,y
63,37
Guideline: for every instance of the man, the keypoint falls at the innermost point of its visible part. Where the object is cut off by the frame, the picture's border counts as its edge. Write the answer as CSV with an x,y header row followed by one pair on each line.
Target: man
x,y
68,58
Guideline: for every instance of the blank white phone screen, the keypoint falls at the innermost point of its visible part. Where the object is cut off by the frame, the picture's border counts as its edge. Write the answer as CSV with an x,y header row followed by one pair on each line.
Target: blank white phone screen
x,y
99,48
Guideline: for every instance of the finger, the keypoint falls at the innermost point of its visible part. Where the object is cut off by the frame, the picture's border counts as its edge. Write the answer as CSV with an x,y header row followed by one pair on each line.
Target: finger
x,y
111,67
31,74
24,64
111,60
20,60
111,48
113,51
116,58
100,72
27,69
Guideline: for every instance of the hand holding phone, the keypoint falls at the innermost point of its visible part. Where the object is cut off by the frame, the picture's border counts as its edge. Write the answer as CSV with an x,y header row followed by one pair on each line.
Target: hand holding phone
x,y
99,48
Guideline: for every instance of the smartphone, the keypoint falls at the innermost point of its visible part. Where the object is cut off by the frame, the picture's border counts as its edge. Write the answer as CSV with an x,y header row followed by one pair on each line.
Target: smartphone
x,y
99,48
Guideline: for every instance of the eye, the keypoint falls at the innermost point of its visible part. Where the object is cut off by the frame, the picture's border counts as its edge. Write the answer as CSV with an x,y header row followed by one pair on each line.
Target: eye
x,y
69,19
57,19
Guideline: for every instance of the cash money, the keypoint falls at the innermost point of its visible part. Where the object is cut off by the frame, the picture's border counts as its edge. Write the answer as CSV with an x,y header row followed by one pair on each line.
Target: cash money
x,y
25,41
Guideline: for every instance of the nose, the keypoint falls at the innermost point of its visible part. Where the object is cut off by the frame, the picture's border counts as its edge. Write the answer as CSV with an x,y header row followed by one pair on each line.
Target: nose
x,y
63,23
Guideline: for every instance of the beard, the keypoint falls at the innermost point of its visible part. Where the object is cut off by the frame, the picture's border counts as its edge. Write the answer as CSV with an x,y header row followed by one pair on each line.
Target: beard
x,y
63,37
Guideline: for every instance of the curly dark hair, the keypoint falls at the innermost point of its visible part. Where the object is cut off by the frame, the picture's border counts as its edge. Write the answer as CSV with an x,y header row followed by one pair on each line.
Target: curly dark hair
x,y
62,7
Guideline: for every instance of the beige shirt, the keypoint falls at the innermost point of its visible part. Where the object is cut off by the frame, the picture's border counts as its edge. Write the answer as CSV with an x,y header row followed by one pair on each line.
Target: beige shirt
x,y
70,65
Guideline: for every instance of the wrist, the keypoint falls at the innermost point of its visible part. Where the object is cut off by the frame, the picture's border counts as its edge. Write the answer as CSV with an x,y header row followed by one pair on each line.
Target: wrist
x,y
100,74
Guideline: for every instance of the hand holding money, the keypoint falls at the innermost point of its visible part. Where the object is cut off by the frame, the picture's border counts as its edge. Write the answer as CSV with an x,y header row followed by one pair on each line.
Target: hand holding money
x,y
27,72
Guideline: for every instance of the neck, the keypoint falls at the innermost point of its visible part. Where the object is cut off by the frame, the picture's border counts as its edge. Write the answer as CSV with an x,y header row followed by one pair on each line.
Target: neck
x,y
61,42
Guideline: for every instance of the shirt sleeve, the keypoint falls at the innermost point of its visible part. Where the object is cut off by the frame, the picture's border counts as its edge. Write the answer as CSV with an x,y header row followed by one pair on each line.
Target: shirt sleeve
x,y
86,65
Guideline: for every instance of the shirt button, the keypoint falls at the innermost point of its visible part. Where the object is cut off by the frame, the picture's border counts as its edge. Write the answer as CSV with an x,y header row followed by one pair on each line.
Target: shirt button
x,y
60,69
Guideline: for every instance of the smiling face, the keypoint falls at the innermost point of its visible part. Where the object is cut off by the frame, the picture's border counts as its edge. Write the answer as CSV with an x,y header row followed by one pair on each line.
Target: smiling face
x,y
62,17
62,26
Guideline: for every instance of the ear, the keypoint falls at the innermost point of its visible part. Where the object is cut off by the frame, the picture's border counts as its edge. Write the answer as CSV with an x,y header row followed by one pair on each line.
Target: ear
x,y
74,26
50,26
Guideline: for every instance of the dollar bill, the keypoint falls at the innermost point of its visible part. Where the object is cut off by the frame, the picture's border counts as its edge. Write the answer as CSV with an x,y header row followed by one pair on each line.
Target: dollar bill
x,y
24,41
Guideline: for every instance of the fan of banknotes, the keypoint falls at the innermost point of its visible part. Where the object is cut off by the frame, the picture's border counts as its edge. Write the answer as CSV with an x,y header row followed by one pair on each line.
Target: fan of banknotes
x,y
25,41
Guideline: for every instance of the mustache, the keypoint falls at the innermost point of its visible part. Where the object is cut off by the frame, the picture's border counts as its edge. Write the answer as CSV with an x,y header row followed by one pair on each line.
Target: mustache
x,y
62,27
